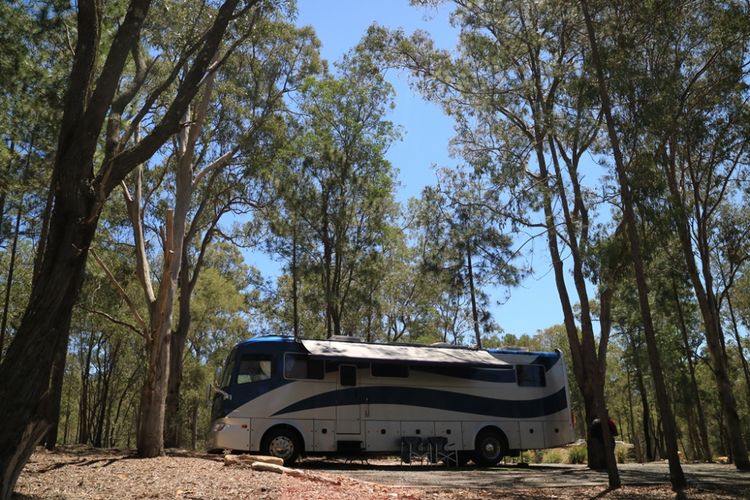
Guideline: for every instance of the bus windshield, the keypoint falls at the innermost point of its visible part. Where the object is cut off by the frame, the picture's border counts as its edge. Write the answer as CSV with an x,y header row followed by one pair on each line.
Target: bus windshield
x,y
225,376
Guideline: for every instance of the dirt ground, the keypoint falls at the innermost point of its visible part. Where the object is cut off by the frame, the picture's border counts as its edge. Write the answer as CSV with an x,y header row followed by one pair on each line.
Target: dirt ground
x,y
85,473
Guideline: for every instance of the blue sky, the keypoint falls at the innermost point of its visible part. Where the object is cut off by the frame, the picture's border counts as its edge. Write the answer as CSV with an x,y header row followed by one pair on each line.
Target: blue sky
x,y
339,25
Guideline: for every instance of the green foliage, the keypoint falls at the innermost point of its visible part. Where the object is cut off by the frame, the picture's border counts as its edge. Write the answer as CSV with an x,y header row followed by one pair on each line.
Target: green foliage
x,y
336,211
622,453
553,456
577,454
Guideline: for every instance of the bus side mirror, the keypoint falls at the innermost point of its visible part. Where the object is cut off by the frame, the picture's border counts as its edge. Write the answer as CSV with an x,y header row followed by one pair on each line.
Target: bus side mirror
x,y
216,390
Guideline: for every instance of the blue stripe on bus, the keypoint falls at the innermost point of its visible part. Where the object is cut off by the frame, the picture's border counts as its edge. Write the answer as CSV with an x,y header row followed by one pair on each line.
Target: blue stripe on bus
x,y
435,399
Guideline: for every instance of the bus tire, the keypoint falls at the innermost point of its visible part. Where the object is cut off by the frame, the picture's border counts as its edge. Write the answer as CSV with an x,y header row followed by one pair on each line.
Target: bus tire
x,y
489,447
284,443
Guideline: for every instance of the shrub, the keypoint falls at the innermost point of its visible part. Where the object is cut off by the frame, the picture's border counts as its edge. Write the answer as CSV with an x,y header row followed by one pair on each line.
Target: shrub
x,y
621,453
577,454
552,457
532,456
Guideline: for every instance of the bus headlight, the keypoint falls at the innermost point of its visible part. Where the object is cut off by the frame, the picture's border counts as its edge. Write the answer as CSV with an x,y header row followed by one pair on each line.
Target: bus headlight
x,y
218,427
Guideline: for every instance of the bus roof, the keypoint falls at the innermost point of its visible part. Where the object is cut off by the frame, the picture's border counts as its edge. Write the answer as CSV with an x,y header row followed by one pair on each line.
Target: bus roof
x,y
360,351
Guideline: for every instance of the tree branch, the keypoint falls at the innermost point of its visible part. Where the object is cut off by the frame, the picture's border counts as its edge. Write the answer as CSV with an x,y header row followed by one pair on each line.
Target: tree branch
x,y
122,293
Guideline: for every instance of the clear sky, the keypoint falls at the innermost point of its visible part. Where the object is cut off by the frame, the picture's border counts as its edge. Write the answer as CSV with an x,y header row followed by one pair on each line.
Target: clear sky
x,y
339,25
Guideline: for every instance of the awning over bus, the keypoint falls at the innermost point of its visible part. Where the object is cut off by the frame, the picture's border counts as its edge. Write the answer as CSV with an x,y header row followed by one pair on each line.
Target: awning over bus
x,y
389,353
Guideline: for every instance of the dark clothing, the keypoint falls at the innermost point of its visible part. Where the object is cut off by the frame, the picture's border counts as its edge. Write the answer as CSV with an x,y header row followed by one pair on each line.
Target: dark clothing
x,y
596,429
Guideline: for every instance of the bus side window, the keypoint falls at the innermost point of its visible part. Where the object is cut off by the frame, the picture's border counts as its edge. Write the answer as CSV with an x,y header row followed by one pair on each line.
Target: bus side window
x,y
531,376
348,375
389,370
300,366
254,368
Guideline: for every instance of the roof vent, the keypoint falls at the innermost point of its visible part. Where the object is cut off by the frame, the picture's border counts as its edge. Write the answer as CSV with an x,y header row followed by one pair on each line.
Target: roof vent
x,y
345,338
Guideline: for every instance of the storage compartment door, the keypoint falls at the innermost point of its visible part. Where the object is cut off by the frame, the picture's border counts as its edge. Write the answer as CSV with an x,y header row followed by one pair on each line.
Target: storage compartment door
x,y
348,407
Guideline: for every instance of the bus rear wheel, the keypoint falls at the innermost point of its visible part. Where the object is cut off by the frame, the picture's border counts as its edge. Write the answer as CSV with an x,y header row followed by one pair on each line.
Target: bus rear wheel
x,y
489,448
282,443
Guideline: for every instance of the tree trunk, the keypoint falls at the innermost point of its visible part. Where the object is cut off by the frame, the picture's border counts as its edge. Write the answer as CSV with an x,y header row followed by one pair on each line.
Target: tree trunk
x,y
645,412
601,451
710,311
173,423
9,279
67,421
631,418
472,292
43,332
153,399
703,428
4,194
56,389
194,428
295,282
150,440
83,399
675,469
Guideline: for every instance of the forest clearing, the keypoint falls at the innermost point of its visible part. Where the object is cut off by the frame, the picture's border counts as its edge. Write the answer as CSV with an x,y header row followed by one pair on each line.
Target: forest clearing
x,y
85,473
193,191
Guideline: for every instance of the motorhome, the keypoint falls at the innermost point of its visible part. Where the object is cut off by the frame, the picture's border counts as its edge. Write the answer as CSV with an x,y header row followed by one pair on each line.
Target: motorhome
x,y
285,397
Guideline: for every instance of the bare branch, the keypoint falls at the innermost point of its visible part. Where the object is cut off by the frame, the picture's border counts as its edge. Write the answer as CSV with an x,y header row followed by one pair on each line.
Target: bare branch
x,y
112,319
122,292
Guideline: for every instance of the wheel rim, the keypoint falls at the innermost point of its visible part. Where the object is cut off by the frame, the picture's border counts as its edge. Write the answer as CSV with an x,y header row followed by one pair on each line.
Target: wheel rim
x,y
281,446
491,448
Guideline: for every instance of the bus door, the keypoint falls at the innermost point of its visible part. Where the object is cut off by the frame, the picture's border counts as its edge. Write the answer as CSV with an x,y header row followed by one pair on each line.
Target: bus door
x,y
348,408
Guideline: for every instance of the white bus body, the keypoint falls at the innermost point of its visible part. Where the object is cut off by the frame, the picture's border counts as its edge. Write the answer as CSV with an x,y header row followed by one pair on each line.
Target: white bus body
x,y
284,397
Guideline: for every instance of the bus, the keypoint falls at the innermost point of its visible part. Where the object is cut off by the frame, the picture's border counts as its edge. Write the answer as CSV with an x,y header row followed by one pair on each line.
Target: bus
x,y
286,398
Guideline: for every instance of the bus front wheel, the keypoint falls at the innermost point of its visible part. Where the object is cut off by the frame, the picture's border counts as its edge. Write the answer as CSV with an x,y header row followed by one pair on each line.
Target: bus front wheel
x,y
490,448
282,443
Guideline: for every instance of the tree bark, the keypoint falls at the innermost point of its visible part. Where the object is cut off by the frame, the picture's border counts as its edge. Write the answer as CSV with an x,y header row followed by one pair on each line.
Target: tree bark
x,y
173,419
295,281
703,429
9,278
56,389
472,292
645,409
675,469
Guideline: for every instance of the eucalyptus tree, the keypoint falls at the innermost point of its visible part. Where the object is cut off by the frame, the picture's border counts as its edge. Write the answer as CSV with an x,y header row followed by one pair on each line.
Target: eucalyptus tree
x,y
98,92
704,150
213,168
202,158
246,128
467,243
409,295
526,114
684,98
629,218
339,186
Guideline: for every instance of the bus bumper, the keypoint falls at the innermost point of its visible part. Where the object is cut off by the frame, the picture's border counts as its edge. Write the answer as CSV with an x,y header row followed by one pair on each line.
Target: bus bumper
x,y
229,434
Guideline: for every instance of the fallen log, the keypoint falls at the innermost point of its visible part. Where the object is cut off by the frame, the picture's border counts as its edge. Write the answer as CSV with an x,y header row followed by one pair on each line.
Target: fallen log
x,y
266,467
249,460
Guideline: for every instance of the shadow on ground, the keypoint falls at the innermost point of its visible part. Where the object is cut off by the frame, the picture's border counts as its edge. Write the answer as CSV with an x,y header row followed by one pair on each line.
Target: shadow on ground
x,y
714,477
